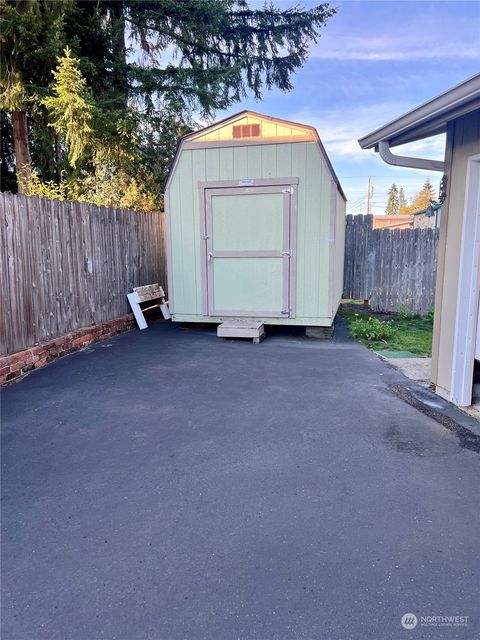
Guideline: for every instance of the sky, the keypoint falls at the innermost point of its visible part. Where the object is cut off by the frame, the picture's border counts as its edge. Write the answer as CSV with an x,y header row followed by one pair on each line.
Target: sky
x,y
374,61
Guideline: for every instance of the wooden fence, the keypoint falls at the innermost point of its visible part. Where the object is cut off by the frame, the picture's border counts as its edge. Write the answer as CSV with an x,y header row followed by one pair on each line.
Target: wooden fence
x,y
393,270
66,265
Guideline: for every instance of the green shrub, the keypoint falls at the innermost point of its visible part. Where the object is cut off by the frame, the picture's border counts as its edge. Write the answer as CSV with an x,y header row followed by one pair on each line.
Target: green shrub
x,y
372,330
406,314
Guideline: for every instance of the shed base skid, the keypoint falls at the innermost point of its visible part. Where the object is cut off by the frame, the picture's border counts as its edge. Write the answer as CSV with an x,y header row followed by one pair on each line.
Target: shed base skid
x,y
193,319
242,329
319,333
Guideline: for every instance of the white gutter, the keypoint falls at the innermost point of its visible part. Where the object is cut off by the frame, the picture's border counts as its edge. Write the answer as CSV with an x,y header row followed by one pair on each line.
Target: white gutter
x,y
406,161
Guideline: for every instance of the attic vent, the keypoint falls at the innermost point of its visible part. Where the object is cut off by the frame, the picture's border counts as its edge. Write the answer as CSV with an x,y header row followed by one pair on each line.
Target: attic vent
x,y
246,130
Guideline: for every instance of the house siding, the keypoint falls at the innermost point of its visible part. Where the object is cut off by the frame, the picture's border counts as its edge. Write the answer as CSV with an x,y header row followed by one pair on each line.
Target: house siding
x,y
463,141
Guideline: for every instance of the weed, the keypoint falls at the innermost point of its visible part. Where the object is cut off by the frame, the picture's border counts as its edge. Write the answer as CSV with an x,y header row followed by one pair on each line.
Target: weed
x,y
413,333
372,329
406,314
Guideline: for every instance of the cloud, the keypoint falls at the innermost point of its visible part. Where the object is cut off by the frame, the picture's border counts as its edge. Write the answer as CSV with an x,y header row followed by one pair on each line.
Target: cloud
x,y
340,129
401,31
377,49
433,148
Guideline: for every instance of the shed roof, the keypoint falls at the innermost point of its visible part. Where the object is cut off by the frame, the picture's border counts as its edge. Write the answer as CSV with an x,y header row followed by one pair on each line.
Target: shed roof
x,y
220,134
284,129
430,118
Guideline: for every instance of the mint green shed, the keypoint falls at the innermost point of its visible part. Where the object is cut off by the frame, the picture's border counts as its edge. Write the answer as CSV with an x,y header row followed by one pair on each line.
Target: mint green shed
x,y
255,225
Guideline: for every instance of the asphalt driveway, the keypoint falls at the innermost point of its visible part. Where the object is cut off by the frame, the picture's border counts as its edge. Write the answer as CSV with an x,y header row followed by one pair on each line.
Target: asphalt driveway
x,y
168,485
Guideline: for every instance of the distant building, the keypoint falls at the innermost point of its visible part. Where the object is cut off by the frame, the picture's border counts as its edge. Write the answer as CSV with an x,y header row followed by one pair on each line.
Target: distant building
x,y
393,222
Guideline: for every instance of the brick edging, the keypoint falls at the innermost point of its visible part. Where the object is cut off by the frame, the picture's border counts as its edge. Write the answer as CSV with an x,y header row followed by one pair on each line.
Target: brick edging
x,y
16,365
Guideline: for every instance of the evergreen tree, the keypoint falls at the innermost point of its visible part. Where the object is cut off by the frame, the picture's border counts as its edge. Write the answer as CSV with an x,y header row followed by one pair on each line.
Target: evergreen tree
x,y
428,190
195,56
32,37
393,204
402,202
224,50
8,178
423,198
70,107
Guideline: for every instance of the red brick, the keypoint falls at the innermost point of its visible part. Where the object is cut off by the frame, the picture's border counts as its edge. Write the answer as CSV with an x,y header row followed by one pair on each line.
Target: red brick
x,y
50,350
14,357
18,365
23,355
40,354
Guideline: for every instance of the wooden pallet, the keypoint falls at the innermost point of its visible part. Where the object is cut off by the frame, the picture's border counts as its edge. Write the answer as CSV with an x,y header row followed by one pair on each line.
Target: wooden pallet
x,y
242,329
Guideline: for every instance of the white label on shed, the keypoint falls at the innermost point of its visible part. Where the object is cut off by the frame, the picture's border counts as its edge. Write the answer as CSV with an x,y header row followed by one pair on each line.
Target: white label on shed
x,y
246,183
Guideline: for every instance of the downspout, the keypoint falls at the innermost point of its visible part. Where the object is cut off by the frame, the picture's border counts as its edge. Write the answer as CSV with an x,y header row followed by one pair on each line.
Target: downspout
x,y
406,161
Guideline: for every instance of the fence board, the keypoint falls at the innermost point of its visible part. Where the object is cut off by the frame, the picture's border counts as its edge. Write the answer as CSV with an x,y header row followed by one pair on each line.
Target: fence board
x,y
65,265
393,269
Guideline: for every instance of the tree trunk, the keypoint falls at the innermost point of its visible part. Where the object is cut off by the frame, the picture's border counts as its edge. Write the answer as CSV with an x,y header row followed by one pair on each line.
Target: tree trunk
x,y
120,52
22,149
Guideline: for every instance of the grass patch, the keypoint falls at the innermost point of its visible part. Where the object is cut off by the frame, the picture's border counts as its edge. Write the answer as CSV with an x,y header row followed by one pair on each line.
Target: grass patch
x,y
393,332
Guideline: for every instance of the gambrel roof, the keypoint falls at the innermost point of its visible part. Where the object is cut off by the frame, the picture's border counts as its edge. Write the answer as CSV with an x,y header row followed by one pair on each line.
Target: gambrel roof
x,y
268,128
252,128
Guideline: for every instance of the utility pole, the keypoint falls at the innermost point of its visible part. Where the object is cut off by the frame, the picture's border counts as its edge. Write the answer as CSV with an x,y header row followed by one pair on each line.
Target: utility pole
x,y
369,196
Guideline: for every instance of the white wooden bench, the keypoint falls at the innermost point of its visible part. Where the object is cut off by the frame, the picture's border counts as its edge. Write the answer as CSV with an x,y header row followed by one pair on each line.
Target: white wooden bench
x,y
148,293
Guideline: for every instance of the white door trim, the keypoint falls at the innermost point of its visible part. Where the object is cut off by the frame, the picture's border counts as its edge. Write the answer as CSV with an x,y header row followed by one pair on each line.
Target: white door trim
x,y
468,290
286,253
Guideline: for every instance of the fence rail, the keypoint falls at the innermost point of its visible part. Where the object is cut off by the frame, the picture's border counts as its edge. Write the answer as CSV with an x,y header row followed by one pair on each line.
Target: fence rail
x,y
66,265
392,269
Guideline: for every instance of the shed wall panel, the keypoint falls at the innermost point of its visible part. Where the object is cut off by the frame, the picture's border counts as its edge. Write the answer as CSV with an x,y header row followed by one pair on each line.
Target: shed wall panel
x,y
339,249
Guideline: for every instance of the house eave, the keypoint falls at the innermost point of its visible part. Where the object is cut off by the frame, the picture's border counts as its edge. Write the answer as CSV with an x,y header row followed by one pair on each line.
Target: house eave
x,y
430,118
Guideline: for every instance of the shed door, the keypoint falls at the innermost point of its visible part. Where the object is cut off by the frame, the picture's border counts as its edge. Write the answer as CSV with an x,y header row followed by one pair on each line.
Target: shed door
x,y
249,265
